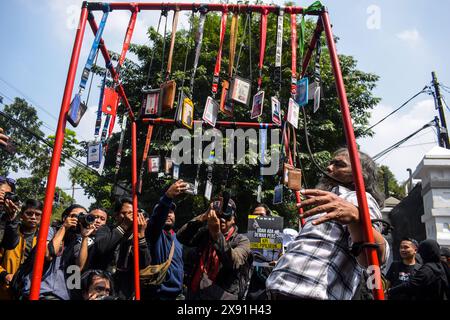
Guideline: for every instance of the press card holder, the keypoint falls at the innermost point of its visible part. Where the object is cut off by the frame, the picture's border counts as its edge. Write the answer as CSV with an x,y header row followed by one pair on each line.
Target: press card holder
x,y
179,108
240,89
76,111
208,190
168,165
278,194
95,154
211,111
276,111
176,171
168,91
302,92
153,164
293,112
257,105
295,179
110,101
187,113
150,103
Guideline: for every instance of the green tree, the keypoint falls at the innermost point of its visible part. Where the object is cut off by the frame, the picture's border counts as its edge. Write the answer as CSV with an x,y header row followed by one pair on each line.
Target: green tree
x,y
325,127
395,189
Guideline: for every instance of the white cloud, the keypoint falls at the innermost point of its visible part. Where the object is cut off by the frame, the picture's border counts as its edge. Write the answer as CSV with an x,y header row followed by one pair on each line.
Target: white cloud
x,y
411,36
397,127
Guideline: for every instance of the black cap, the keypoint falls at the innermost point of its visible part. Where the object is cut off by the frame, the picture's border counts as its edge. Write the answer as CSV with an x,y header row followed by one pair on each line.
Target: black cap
x,y
229,208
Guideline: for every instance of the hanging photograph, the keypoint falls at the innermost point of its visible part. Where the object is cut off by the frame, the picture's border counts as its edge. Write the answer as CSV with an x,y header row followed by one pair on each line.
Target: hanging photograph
x,y
257,105
211,111
302,92
276,111
240,90
187,117
150,105
153,164
293,112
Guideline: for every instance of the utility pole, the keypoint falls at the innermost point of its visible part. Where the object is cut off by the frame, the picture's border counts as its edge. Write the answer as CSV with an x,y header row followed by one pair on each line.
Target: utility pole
x,y
443,136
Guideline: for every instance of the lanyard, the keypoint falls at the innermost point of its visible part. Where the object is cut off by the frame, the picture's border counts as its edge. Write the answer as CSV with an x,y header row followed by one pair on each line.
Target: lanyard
x,y
90,61
294,54
233,42
199,40
262,46
317,61
302,41
105,128
172,42
279,49
148,139
126,43
120,148
98,121
223,27
163,13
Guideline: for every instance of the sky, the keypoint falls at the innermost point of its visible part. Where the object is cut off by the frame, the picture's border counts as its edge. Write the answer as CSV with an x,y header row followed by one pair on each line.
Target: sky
x,y
398,40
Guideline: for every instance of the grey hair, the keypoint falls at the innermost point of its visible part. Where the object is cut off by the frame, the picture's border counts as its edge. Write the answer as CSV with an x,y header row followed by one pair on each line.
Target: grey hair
x,y
369,172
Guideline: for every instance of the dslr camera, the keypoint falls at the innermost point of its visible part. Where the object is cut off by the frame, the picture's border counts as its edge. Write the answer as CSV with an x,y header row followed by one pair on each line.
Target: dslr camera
x,y
86,219
12,197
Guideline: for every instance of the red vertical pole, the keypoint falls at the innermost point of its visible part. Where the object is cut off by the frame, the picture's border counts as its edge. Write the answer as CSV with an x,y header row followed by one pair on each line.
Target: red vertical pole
x,y
56,159
366,224
135,209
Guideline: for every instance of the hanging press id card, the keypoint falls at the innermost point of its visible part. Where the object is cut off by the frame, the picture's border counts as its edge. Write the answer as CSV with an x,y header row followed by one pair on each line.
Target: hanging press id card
x,y
150,104
302,92
293,112
110,101
211,111
168,164
208,190
76,111
187,113
240,90
94,157
153,164
176,171
278,194
257,105
276,111
168,91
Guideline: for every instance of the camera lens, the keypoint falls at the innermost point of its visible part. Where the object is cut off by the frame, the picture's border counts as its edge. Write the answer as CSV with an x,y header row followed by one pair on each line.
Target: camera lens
x,y
86,219
12,197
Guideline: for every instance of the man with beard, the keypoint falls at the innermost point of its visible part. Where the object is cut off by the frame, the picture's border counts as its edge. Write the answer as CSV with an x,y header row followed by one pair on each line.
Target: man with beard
x,y
319,264
165,248
20,238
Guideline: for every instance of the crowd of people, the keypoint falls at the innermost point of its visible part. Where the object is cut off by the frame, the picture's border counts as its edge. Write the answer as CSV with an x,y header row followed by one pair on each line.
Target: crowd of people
x,y
208,257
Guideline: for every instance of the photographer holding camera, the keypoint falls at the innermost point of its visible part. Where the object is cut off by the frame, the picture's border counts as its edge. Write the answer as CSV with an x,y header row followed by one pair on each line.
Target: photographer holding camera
x,y
221,259
58,256
9,203
97,285
163,279
20,238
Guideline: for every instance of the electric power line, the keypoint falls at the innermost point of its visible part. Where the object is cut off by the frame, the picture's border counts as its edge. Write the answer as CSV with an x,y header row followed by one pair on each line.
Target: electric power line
x,y
397,144
404,104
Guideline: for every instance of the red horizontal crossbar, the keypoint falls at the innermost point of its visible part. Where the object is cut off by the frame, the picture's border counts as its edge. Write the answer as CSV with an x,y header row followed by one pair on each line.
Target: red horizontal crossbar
x,y
164,121
96,6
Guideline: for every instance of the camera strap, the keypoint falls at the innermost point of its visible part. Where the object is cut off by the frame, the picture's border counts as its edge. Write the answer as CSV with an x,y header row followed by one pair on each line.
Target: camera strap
x,y
223,27
148,139
294,55
198,48
262,46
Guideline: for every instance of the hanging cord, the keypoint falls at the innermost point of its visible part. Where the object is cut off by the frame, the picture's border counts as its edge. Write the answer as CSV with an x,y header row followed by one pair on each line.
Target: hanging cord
x,y
92,79
163,13
188,49
242,44
311,154
164,47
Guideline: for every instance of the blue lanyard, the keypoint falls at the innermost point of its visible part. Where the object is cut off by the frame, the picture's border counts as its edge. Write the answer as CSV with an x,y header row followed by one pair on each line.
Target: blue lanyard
x,y
262,141
93,53
98,122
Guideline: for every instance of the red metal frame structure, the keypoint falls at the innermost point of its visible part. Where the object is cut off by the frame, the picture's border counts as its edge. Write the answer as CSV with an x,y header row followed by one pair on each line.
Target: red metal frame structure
x,y
87,16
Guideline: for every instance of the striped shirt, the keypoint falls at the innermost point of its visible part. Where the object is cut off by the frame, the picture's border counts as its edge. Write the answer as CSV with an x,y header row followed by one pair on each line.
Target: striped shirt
x,y
318,263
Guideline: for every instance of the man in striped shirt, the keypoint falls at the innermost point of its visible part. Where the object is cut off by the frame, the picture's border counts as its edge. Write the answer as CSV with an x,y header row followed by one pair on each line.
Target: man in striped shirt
x,y
319,264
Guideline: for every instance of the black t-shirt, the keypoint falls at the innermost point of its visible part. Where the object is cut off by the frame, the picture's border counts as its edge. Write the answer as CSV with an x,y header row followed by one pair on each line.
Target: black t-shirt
x,y
399,273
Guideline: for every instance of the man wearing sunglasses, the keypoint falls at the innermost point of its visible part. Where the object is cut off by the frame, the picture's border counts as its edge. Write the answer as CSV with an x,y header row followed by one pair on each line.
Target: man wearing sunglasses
x,y
221,256
20,238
